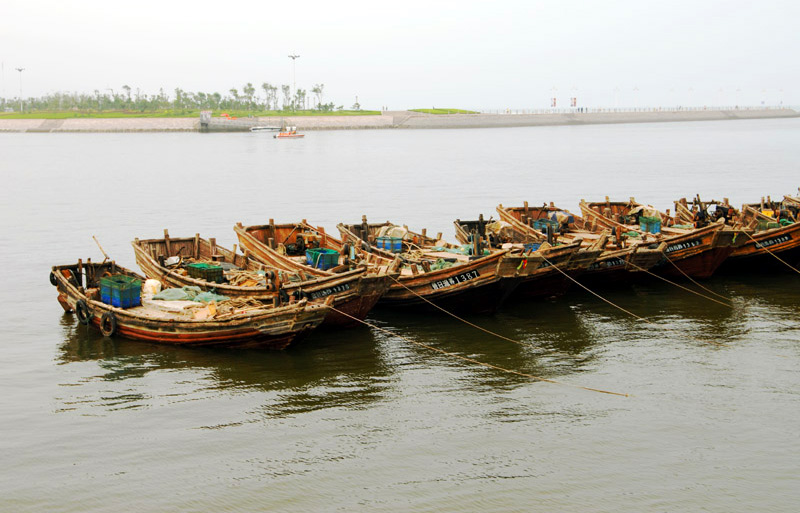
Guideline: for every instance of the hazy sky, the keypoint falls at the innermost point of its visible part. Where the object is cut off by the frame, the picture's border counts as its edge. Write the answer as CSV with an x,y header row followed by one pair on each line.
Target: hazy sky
x,y
407,54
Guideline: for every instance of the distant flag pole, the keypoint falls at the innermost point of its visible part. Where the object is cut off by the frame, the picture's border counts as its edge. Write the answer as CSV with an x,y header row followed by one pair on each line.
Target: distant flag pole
x,y
20,87
294,58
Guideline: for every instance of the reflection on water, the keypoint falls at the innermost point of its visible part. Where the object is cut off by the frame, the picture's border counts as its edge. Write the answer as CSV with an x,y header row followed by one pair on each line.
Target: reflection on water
x,y
329,369
354,368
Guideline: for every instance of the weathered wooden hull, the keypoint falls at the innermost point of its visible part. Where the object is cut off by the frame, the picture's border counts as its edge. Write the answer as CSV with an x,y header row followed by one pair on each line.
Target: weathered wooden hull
x,y
622,267
367,290
273,328
480,285
697,254
546,284
355,292
782,242
484,299
474,287
541,278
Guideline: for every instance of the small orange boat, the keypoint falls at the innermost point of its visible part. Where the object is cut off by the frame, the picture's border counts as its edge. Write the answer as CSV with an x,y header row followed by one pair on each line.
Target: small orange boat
x,y
288,133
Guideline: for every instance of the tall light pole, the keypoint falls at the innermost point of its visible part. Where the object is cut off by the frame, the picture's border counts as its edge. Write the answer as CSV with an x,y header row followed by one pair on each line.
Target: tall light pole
x,y
294,58
20,87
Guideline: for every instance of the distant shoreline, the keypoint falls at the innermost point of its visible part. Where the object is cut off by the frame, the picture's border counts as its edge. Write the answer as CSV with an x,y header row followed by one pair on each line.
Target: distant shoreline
x,y
395,119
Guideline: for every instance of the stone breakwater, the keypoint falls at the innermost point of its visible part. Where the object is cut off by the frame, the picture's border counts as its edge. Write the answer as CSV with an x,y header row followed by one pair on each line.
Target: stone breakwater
x,y
396,119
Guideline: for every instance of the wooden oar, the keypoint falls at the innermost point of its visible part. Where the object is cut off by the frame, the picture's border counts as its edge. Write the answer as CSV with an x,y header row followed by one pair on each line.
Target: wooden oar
x,y
101,249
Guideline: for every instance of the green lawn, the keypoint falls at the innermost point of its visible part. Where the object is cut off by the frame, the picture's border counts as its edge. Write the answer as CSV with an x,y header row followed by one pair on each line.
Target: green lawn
x,y
444,111
176,114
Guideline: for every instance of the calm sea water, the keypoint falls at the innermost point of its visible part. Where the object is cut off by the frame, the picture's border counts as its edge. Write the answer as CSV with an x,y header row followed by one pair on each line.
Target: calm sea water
x,y
361,420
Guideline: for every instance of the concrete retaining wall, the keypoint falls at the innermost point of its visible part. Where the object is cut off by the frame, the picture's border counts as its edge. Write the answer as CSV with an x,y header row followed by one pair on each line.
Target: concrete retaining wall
x,y
399,119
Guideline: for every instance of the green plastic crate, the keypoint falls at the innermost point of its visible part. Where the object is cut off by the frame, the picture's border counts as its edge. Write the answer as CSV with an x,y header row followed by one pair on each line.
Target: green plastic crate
x,y
650,224
322,258
207,272
121,291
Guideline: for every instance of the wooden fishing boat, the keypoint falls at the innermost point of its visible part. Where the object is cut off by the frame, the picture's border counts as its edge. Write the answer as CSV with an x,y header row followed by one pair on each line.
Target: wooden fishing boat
x,y
355,289
771,229
690,251
469,285
547,268
173,322
457,278
613,264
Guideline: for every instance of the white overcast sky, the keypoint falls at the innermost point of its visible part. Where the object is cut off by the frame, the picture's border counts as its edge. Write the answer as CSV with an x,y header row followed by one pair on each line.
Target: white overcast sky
x,y
409,53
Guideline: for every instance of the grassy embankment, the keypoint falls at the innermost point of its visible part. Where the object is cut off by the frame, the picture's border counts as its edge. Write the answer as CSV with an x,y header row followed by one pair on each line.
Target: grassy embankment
x,y
444,111
177,114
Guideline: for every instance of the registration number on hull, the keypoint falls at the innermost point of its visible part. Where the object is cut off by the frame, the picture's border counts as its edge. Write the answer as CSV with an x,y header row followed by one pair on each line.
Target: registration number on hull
x,y
683,245
606,264
454,280
331,290
772,242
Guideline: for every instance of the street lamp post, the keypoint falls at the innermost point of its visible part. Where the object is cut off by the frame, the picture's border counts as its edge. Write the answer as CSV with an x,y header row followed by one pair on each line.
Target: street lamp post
x,y
20,87
294,58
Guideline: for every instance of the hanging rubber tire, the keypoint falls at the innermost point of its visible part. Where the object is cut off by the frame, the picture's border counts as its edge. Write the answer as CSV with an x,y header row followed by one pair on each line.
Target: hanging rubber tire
x,y
53,279
82,311
108,324
345,250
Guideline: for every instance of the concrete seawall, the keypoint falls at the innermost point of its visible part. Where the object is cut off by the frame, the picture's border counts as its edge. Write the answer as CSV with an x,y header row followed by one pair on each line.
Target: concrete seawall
x,y
397,119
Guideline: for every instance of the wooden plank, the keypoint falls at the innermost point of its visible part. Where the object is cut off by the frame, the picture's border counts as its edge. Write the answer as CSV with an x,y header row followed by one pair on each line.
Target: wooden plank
x,y
166,243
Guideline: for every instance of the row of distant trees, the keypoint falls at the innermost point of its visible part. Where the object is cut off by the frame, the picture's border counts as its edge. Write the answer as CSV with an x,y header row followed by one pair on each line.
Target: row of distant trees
x,y
268,97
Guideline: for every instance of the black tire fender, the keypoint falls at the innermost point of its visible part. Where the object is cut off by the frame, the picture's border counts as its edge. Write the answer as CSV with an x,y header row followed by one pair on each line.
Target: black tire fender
x,y
108,324
53,279
82,312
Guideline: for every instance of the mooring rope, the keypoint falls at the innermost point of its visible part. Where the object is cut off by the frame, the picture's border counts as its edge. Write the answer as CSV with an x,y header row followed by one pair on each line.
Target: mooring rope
x,y
624,310
451,314
476,362
691,279
771,253
687,289
729,305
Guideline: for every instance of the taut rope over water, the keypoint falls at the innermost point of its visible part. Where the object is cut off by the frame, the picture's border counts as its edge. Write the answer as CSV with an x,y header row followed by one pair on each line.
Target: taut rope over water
x,y
624,310
773,254
451,314
477,362
692,280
